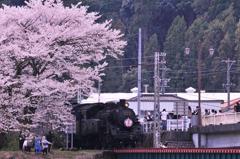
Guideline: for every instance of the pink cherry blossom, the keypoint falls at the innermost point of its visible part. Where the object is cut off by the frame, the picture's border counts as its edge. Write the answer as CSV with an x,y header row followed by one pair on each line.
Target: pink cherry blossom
x,y
47,52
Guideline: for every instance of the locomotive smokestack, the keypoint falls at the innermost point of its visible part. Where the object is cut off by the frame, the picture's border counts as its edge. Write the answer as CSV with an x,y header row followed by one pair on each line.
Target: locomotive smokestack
x,y
122,102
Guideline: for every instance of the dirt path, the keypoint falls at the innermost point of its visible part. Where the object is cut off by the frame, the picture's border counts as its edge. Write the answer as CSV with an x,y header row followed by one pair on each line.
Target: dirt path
x,y
85,154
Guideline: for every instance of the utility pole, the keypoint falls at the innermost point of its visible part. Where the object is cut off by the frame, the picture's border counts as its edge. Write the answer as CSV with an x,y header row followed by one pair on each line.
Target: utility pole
x,y
159,84
199,79
99,90
156,128
228,84
199,82
139,71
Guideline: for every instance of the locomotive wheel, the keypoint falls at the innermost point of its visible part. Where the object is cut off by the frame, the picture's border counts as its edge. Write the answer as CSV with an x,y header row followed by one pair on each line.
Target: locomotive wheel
x,y
107,142
89,142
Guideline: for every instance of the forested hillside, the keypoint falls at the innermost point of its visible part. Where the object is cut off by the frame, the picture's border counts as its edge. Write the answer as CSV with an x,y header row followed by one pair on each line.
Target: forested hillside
x,y
171,26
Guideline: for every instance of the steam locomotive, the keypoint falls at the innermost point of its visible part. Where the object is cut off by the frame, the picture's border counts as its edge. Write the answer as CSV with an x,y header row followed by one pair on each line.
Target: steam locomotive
x,y
106,125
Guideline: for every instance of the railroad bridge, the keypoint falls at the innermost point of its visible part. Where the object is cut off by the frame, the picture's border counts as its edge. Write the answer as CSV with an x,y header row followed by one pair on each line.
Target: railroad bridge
x,y
218,131
219,135
220,139
221,130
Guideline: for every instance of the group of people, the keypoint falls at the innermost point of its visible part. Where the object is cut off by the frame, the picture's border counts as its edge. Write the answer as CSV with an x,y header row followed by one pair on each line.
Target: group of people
x,y
40,144
212,112
207,111
163,116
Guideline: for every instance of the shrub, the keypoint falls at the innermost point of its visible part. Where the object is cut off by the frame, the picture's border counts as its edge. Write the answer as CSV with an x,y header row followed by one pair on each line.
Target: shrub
x,y
9,141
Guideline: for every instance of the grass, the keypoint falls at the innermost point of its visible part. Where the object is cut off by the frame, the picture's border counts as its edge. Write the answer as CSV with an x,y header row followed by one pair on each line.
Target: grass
x,y
55,154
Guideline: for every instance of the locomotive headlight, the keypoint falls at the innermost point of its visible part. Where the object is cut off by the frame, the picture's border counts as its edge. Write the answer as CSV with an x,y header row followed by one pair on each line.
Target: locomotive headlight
x,y
128,122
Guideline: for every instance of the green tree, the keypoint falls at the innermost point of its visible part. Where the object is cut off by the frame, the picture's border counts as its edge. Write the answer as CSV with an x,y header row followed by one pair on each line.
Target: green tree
x,y
194,38
112,80
236,77
221,35
150,47
200,6
229,22
129,79
174,47
8,2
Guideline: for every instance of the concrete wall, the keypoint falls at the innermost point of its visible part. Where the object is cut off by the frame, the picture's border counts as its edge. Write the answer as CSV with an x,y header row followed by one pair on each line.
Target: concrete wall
x,y
218,140
223,140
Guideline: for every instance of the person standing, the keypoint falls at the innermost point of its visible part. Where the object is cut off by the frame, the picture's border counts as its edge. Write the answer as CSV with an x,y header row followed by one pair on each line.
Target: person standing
x,y
50,139
164,115
25,146
189,112
21,140
195,112
45,144
37,144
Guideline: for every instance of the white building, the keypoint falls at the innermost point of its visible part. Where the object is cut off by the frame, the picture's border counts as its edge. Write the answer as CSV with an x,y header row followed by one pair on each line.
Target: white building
x,y
177,102
170,102
190,97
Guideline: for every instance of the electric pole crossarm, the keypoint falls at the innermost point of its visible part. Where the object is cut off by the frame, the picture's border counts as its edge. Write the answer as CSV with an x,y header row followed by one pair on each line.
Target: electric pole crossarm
x,y
163,80
228,84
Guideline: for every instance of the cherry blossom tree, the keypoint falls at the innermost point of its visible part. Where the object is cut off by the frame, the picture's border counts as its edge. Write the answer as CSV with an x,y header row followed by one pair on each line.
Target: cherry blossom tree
x,y
47,52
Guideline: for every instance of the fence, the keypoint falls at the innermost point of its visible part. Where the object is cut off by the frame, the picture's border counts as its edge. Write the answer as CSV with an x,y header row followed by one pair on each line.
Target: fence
x,y
218,119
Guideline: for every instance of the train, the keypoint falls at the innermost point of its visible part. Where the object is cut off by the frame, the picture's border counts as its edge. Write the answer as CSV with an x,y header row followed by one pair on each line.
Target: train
x,y
106,125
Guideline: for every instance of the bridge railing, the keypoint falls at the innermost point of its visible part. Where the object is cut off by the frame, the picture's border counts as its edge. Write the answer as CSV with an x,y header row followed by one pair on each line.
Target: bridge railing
x,y
172,124
223,118
148,126
180,124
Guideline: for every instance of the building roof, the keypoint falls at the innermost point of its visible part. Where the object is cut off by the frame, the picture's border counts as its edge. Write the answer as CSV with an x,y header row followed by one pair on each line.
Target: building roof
x,y
208,96
108,97
165,97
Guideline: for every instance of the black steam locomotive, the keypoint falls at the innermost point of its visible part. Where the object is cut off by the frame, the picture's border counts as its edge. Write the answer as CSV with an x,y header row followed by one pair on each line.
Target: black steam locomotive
x,y
106,125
